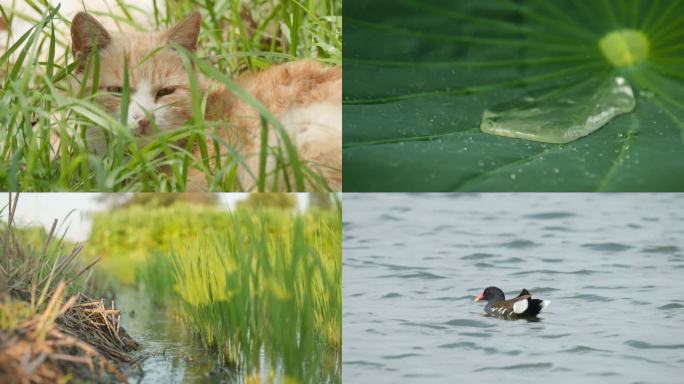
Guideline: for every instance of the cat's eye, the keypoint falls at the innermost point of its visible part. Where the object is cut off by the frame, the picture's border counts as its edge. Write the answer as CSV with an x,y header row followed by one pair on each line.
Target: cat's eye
x,y
117,90
165,92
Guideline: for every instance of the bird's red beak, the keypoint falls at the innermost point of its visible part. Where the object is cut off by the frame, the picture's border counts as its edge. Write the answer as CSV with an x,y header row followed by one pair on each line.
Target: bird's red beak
x,y
480,297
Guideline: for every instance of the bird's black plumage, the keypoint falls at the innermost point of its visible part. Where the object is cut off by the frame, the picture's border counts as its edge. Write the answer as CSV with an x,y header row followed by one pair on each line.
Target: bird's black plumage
x,y
522,305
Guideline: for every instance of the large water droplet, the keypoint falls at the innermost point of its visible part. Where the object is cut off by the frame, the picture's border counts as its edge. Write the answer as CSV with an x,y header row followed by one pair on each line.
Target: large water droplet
x,y
561,115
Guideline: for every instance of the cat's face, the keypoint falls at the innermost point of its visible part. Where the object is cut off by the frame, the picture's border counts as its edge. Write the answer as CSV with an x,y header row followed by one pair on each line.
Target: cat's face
x,y
158,82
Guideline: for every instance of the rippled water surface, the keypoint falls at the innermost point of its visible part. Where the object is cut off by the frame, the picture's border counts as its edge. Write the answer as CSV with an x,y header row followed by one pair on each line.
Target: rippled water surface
x,y
612,265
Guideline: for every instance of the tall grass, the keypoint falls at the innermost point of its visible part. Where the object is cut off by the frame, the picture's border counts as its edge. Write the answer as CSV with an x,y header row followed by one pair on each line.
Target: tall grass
x,y
33,261
247,291
46,115
261,287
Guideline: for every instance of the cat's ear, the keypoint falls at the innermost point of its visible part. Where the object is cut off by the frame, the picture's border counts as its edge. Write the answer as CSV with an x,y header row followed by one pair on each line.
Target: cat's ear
x,y
186,32
86,33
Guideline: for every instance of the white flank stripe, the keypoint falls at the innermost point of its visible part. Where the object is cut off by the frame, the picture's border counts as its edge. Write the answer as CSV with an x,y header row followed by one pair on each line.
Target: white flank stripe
x,y
545,303
520,306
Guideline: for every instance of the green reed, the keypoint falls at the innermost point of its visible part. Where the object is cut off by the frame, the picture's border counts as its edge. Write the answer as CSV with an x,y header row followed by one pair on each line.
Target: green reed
x,y
247,291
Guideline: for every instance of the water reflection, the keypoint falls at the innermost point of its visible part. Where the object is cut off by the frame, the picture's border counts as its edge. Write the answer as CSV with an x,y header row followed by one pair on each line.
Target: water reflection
x,y
171,353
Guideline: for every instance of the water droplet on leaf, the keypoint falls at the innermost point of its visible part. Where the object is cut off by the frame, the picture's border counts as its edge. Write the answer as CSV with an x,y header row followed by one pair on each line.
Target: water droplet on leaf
x,y
550,118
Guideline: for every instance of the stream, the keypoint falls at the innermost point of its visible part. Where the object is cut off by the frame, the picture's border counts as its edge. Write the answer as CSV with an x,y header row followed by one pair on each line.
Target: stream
x,y
172,354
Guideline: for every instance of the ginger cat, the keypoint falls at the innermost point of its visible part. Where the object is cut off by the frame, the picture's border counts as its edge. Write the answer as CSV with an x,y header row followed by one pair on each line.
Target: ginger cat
x,y
304,95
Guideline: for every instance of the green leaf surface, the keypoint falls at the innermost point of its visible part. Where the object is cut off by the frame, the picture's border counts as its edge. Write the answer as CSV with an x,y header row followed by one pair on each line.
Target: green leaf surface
x,y
419,74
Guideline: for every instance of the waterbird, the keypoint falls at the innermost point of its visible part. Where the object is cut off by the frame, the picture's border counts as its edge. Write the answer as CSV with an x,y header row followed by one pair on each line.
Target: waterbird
x,y
518,307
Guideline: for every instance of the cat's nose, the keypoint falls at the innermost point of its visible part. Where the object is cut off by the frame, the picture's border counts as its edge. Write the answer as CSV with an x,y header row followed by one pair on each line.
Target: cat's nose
x,y
143,125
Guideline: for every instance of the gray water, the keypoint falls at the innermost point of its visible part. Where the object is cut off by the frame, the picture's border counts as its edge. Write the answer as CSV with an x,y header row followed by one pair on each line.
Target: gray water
x,y
611,264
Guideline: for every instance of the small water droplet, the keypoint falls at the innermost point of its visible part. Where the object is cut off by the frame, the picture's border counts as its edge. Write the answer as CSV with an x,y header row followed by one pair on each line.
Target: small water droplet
x,y
646,93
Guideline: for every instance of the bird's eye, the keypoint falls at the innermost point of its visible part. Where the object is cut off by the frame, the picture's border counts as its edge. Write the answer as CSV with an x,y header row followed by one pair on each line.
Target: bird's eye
x,y
165,92
117,90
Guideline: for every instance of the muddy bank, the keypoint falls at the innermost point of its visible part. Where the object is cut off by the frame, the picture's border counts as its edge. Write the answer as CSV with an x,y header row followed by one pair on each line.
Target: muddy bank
x,y
73,337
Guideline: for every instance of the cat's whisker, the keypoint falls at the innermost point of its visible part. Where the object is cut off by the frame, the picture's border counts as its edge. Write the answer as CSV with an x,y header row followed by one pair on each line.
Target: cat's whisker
x,y
175,103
